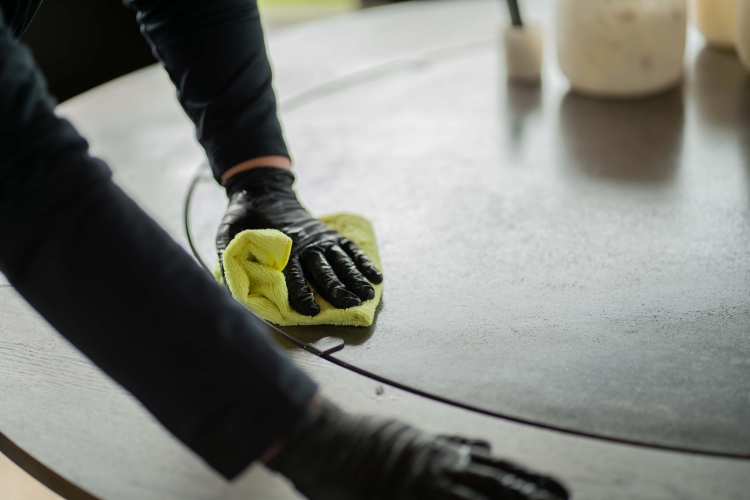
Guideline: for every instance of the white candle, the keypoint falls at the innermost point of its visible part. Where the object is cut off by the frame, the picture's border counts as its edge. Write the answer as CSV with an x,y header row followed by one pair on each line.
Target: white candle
x,y
523,53
717,21
743,32
622,48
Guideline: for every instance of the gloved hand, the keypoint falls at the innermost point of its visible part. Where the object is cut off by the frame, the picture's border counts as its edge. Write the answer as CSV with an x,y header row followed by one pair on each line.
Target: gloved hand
x,y
335,456
263,198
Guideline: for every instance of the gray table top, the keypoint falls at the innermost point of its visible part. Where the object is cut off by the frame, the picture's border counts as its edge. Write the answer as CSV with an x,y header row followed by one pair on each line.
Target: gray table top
x,y
576,263
73,428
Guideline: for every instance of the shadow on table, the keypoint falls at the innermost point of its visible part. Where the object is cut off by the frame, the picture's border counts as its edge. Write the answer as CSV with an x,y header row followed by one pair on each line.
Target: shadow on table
x,y
722,89
635,141
744,127
719,83
521,103
352,335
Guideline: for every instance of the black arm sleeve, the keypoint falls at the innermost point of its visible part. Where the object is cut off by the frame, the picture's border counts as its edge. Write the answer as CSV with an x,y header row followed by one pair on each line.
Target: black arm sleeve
x,y
216,57
120,289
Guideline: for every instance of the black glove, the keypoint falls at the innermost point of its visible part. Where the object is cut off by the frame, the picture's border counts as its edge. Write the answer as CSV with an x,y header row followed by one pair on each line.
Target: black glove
x,y
335,456
263,198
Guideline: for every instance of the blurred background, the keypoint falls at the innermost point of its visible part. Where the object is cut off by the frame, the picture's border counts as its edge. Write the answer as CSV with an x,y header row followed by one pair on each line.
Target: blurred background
x,y
83,43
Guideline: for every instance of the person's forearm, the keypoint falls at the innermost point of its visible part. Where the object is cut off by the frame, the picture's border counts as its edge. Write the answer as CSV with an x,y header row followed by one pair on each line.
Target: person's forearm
x,y
215,54
108,278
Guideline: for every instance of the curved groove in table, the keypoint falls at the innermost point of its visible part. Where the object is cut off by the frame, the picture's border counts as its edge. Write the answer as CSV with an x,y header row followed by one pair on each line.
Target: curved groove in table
x,y
695,328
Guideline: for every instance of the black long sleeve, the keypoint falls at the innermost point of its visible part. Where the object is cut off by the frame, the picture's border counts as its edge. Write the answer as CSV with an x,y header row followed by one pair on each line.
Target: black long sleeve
x,y
119,288
215,55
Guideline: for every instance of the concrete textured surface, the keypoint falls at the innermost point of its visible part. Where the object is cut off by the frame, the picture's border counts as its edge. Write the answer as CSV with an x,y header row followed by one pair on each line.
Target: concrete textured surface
x,y
577,263
61,410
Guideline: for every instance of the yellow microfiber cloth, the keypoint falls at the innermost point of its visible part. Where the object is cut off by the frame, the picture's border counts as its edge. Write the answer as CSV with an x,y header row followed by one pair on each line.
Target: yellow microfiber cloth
x,y
255,259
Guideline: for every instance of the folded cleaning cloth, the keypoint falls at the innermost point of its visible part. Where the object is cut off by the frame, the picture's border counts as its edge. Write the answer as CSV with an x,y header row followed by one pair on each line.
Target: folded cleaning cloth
x,y
255,259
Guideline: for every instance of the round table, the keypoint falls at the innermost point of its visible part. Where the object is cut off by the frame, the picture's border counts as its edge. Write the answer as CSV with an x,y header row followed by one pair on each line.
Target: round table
x,y
576,263
565,276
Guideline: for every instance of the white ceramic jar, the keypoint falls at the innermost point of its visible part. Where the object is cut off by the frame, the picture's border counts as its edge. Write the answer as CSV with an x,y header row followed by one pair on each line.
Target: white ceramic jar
x,y
743,32
622,48
717,21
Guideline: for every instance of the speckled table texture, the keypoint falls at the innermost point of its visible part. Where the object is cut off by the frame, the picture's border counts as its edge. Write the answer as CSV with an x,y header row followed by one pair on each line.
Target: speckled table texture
x,y
578,263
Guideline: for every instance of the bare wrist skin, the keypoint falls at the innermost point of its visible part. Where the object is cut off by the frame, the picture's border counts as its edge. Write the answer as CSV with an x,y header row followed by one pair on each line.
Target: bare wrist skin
x,y
262,161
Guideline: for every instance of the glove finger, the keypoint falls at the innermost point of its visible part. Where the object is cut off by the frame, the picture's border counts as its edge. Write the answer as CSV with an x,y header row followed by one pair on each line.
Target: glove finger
x,y
223,274
545,482
362,261
349,274
233,222
501,484
223,237
301,298
326,283
220,250
479,447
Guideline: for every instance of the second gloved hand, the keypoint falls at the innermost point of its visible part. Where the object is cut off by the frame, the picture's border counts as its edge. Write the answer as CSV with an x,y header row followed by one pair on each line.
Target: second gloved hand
x,y
263,198
333,455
